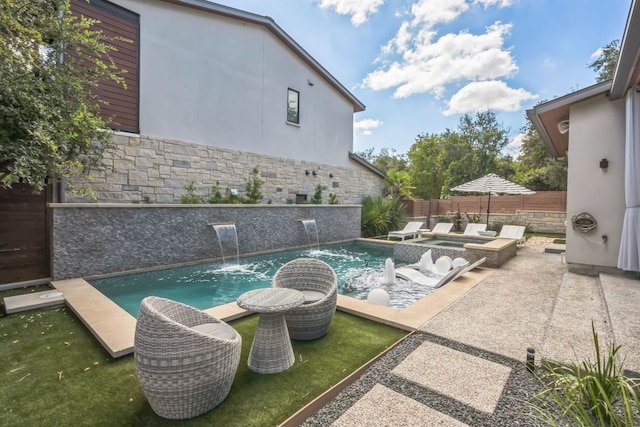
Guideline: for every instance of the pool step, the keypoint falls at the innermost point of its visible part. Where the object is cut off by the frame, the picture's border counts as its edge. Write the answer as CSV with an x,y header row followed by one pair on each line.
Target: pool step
x,y
30,301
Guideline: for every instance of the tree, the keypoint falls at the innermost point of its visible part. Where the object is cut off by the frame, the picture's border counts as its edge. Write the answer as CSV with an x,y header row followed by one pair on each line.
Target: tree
x,y
538,171
427,157
50,124
388,159
605,64
398,184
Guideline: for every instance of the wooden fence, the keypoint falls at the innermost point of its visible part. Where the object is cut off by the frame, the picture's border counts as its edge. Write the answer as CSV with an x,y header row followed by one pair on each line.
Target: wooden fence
x,y
544,201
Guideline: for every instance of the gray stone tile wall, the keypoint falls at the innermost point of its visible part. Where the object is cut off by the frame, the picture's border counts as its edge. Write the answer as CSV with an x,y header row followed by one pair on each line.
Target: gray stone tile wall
x,y
158,170
95,239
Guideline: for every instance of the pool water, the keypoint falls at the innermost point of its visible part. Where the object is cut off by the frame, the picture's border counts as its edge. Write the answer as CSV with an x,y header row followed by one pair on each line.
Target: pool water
x,y
357,265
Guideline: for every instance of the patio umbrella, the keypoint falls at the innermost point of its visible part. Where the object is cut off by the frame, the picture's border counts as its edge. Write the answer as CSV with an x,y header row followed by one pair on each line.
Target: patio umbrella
x,y
492,184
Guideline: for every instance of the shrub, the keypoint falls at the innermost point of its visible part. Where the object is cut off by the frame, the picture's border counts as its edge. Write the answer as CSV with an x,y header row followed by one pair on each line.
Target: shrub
x,y
379,215
191,198
253,187
333,199
317,196
589,393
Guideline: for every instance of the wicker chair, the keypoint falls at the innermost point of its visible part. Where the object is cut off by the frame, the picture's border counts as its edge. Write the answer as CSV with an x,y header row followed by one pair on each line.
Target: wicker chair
x,y
185,359
319,283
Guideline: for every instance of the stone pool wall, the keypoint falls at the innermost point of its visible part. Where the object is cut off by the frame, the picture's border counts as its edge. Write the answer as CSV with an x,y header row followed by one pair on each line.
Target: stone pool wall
x,y
97,239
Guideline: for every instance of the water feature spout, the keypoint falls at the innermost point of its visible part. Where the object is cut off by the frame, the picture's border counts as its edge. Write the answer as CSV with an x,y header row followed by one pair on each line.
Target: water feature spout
x,y
311,228
426,263
389,277
228,240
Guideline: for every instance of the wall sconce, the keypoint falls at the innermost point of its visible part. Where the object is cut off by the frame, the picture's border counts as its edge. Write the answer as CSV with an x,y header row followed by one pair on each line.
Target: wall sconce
x,y
604,163
563,126
307,172
315,173
330,175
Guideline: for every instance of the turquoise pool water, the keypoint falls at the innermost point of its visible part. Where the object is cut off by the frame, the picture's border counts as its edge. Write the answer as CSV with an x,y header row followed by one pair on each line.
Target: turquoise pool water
x,y
357,265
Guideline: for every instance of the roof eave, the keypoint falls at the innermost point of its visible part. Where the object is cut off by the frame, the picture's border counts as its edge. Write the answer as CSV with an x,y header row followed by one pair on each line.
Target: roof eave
x,y
367,165
271,25
542,131
629,53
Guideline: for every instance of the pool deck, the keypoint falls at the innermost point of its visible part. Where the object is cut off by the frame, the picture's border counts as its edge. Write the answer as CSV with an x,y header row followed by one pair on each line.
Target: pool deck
x,y
114,328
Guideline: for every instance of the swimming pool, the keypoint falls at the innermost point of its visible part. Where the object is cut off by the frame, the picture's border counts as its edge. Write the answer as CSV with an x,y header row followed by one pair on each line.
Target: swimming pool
x,y
357,265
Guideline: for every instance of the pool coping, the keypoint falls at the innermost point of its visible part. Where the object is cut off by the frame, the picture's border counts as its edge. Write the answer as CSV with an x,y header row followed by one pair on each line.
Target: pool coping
x,y
114,327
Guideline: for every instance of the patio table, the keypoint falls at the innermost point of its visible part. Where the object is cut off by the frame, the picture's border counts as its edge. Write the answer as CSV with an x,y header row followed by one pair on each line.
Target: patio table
x,y
271,350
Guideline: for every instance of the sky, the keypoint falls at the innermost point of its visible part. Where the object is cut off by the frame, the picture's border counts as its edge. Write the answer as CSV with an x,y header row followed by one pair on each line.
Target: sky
x,y
419,65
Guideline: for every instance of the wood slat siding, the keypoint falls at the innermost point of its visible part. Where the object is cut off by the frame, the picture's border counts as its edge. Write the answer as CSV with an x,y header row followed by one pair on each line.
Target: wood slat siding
x,y
24,234
115,21
549,201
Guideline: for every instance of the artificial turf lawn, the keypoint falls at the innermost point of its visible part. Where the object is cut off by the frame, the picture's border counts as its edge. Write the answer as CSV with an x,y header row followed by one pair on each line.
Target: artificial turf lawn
x,y
54,372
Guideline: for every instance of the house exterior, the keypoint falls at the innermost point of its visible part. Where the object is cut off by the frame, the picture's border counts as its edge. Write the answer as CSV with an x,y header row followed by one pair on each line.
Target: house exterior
x,y
598,130
213,92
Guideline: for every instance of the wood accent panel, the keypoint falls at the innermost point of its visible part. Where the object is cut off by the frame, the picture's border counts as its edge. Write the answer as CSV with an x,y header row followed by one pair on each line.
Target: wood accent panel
x,y
24,234
550,201
122,104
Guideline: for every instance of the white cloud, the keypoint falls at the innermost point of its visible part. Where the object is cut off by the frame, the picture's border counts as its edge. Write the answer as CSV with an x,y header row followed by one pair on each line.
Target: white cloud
x,y
499,3
366,132
366,124
429,12
428,66
358,9
515,145
596,54
487,95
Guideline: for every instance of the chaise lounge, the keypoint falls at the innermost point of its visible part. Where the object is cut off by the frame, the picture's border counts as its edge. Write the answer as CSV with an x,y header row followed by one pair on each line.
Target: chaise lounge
x,y
411,229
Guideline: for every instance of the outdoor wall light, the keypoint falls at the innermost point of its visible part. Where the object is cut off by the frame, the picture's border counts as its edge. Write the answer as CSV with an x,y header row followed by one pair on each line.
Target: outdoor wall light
x,y
604,163
330,175
315,173
307,172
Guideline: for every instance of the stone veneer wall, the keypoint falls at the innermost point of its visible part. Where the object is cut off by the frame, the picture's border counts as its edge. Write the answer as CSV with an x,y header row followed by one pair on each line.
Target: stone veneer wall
x,y
158,170
95,239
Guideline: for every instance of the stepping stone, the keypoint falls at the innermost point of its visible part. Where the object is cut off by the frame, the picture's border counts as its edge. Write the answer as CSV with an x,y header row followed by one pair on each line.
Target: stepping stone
x,y
555,248
382,406
30,301
469,379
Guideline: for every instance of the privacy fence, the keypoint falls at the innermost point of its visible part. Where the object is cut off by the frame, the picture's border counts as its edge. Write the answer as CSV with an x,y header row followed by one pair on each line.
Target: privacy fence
x,y
543,211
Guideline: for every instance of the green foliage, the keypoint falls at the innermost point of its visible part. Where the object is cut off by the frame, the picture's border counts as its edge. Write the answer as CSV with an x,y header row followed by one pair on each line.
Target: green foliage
x,y
456,219
216,195
253,187
317,195
333,199
605,64
589,393
192,198
398,184
388,159
442,161
538,170
49,116
473,218
380,215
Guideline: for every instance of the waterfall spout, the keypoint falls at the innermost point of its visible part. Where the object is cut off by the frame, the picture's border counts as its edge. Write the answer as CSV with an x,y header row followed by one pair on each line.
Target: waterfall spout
x,y
228,240
311,228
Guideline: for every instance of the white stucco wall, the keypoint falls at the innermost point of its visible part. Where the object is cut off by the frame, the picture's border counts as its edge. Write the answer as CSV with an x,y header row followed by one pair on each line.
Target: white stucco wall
x,y
223,82
596,132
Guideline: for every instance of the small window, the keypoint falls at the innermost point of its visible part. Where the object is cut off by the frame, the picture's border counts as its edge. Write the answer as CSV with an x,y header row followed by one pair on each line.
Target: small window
x,y
293,106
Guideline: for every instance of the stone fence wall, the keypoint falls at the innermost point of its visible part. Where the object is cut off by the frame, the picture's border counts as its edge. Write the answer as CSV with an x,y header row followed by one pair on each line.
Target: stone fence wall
x,y
155,170
97,239
541,222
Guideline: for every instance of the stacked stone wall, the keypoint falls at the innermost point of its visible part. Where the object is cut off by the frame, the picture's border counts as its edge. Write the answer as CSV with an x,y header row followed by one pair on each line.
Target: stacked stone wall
x,y
155,170
97,239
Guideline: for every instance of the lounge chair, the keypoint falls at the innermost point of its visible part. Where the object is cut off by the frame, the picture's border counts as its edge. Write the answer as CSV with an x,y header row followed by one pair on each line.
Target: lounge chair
x,y
442,227
468,268
319,284
411,229
513,232
185,359
472,229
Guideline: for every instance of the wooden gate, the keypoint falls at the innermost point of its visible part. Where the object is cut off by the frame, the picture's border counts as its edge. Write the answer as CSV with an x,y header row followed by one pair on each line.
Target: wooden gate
x,y
24,234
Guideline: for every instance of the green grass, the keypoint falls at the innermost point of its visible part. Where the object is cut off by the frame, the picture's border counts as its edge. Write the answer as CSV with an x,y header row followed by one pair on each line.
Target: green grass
x,y
54,372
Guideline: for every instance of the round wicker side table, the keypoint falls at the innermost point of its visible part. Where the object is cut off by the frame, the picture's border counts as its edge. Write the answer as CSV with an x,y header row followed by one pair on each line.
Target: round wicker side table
x,y
271,350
